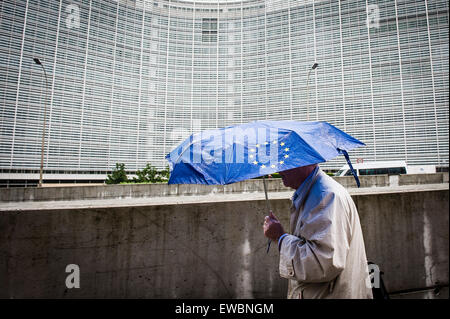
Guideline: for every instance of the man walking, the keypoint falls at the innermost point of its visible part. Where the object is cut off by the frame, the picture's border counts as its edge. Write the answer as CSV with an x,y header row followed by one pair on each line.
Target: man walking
x,y
324,254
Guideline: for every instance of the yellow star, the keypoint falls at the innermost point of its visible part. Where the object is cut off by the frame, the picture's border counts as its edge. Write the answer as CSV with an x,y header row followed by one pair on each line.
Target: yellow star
x,y
255,162
286,149
286,156
263,166
273,166
251,156
282,143
257,145
281,162
274,142
265,143
252,150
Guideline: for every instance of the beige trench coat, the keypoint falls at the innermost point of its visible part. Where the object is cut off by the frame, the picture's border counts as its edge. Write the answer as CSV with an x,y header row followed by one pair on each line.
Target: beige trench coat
x,y
324,255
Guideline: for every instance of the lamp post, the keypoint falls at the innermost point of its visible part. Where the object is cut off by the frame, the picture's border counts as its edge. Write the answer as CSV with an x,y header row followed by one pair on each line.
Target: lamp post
x,y
314,66
37,61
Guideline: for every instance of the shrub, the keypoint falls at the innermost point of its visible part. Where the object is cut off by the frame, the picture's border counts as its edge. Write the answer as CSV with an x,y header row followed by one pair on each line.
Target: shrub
x,y
118,175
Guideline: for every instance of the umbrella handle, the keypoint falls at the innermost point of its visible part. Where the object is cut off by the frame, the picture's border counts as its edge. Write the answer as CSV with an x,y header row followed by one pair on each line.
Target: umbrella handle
x,y
265,193
268,245
268,208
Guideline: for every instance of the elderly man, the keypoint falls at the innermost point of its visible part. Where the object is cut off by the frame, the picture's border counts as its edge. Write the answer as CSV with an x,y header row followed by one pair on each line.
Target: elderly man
x,y
324,254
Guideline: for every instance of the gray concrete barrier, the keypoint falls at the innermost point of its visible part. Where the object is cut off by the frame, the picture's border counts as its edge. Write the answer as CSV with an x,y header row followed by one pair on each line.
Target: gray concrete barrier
x,y
157,190
132,191
209,249
418,179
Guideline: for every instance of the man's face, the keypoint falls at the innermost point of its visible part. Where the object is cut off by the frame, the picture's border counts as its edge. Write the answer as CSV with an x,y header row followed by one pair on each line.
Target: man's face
x,y
289,178
294,177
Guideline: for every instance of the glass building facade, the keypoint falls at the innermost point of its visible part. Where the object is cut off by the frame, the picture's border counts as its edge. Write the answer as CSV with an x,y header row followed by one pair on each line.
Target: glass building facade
x,y
129,79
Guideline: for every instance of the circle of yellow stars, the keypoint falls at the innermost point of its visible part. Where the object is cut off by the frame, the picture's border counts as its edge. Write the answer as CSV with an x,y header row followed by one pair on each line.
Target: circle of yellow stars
x,y
252,154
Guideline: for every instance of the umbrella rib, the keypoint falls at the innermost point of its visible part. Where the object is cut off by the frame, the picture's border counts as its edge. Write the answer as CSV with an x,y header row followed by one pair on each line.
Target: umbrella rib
x,y
184,150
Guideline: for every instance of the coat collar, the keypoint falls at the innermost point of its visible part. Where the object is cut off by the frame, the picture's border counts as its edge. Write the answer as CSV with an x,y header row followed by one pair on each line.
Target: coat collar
x,y
302,191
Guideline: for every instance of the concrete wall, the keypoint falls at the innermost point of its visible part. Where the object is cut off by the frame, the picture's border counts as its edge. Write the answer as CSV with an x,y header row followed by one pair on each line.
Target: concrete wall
x,y
423,179
133,191
204,250
158,190
406,234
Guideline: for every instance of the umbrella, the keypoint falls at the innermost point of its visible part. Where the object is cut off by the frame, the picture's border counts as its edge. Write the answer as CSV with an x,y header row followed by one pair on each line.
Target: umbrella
x,y
236,153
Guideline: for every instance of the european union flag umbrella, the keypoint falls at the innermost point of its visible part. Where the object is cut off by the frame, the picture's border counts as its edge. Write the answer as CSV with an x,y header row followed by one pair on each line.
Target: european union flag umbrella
x,y
236,153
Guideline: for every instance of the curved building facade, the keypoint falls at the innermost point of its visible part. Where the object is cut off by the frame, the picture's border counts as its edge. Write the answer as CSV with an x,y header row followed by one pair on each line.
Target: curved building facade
x,y
129,79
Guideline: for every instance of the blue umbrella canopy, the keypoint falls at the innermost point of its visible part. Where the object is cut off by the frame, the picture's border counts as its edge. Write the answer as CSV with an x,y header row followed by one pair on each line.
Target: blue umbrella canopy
x,y
236,153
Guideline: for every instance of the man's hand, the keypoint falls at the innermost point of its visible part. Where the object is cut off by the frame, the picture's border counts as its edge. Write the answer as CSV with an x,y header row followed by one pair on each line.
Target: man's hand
x,y
272,227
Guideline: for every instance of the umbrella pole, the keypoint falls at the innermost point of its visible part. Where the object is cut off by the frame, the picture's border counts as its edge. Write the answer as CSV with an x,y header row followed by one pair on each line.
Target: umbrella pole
x,y
268,208
265,193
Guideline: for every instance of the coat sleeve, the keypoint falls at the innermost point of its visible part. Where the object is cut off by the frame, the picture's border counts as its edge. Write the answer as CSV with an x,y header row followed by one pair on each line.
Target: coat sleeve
x,y
319,254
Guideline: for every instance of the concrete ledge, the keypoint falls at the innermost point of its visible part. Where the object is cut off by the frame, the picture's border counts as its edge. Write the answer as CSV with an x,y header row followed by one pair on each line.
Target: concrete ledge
x,y
366,181
132,191
158,190
255,195
423,179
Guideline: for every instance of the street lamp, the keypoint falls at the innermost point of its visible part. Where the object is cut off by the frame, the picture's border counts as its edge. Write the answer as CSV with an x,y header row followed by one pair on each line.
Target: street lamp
x,y
314,66
37,61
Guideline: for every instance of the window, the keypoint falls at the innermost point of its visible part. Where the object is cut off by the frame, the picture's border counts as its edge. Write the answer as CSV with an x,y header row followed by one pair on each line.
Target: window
x,y
209,30
396,170
383,171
